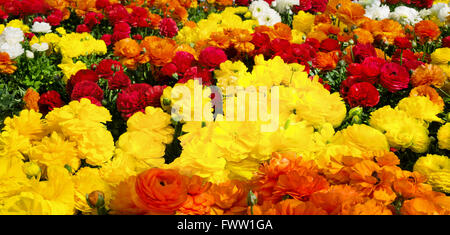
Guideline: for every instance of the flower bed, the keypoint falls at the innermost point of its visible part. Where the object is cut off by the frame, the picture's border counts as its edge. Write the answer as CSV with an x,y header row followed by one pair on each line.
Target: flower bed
x,y
225,107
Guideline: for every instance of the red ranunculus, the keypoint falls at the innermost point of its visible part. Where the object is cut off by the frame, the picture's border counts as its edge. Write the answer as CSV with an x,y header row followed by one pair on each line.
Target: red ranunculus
x,y
117,13
38,19
303,52
168,28
138,96
86,88
197,73
169,69
119,81
304,5
121,30
137,37
371,67
330,44
92,18
211,57
313,42
139,17
55,18
183,61
48,101
107,67
446,42
101,4
355,69
318,6
107,39
81,75
363,94
261,42
422,3
82,28
362,51
347,83
394,77
402,43
242,2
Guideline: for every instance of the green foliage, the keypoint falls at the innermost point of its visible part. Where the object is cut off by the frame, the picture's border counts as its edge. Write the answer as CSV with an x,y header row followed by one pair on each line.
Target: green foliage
x,y
10,102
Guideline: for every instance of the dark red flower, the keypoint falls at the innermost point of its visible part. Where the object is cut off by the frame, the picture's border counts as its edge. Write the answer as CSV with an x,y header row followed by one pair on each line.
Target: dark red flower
x,y
304,5
303,52
107,67
330,44
55,18
119,81
313,42
355,69
107,39
137,37
183,61
101,4
82,28
3,15
446,42
422,3
168,28
402,43
394,77
348,83
138,96
242,2
362,51
169,69
371,67
121,30
318,6
92,18
363,94
197,73
86,88
261,42
38,19
117,13
49,101
212,57
139,17
81,75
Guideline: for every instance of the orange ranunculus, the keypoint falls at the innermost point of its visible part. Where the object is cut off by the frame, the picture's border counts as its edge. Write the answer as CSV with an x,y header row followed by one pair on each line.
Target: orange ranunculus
x,y
127,47
224,2
160,191
363,36
328,29
197,205
159,51
431,93
387,159
155,20
334,5
428,203
241,39
296,207
326,60
267,208
282,31
319,35
384,30
219,40
336,199
370,207
410,184
190,24
122,202
427,30
83,6
322,18
428,74
267,30
6,65
351,13
31,99
230,197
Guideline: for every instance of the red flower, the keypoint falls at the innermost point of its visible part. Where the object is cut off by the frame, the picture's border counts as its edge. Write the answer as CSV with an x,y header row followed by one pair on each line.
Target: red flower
x,y
101,4
29,35
242,2
117,13
183,61
137,37
402,43
371,67
394,77
348,83
197,73
304,5
363,94
92,18
83,28
119,81
107,39
48,101
38,19
422,3
446,42
313,42
121,30
355,69
3,15
169,69
212,57
138,96
318,6
107,67
362,51
330,44
55,18
139,17
261,42
81,75
303,52
86,88
168,27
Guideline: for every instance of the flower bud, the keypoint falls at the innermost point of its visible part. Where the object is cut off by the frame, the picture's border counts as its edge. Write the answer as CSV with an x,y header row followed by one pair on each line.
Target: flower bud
x,y
31,169
248,15
166,102
356,111
252,198
96,199
356,120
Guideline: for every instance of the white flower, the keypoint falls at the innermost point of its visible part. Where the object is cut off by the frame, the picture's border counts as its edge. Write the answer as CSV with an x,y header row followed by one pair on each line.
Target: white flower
x,y
41,27
39,47
405,15
444,13
11,35
366,3
14,50
283,6
269,18
29,54
375,12
258,8
425,12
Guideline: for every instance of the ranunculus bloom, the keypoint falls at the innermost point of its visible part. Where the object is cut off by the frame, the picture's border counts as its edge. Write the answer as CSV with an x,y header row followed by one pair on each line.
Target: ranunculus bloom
x,y
121,30
183,61
138,96
363,94
371,67
168,28
107,67
82,28
160,191
107,39
446,42
428,74
394,77
31,99
6,64
101,4
427,30
55,18
362,51
326,61
212,57
119,81
330,44
402,43
169,69
81,75
48,101
86,88
422,3
159,51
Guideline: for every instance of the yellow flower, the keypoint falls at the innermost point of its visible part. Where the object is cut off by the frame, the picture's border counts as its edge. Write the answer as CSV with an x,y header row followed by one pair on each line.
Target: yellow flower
x,y
298,36
12,177
420,107
12,144
362,137
118,169
229,73
443,136
27,124
18,24
69,68
54,150
2,27
86,181
96,146
154,122
437,170
440,57
303,22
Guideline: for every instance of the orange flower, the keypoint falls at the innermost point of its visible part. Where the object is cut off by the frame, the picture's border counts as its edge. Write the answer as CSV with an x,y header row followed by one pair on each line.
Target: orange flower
x,y
127,47
122,202
427,30
267,30
160,191
387,159
351,13
319,35
326,60
224,2
282,31
241,39
430,203
296,207
322,18
230,197
155,19
410,184
220,40
267,208
334,5
6,65
428,74
363,36
159,51
370,207
384,30
336,199
197,205
190,24
31,99
431,93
